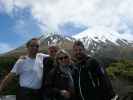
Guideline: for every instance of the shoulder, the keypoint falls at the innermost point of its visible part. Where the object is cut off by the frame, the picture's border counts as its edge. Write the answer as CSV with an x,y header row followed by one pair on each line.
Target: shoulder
x,y
47,59
48,62
97,67
93,63
42,55
73,66
92,60
20,62
22,59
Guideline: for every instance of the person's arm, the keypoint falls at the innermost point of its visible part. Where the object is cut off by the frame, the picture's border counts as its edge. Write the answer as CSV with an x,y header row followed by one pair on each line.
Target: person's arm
x,y
66,94
69,92
105,85
8,78
49,81
11,75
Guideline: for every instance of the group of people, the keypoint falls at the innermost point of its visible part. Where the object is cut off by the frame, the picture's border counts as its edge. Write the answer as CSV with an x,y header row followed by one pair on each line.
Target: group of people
x,y
58,75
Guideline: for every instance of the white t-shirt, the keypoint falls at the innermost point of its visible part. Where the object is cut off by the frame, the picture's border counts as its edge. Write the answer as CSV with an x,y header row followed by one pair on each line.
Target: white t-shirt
x,y
30,71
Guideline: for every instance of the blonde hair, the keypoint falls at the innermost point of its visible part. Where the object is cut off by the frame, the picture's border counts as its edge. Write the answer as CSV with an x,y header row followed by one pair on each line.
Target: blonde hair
x,y
62,51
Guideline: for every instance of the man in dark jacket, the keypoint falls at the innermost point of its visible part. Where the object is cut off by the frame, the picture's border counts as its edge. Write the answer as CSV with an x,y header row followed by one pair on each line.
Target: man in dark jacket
x,y
48,63
92,82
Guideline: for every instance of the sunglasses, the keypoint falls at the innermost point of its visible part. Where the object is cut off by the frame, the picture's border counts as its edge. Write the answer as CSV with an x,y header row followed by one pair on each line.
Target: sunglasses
x,y
61,58
52,51
34,46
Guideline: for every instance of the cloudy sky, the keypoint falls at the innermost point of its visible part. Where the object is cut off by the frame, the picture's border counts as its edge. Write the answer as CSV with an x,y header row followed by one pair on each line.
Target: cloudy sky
x,y
21,20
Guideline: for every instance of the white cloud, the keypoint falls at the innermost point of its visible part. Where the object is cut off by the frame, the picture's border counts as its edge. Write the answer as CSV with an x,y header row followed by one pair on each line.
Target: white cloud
x,y
7,5
5,47
21,28
92,13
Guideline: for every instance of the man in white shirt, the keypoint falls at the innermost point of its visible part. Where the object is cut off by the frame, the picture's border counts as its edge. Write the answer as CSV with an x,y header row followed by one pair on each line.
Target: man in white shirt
x,y
29,69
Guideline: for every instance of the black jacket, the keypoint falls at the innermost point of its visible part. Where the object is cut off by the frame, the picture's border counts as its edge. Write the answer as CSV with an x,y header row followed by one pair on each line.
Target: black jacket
x,y
55,80
92,82
48,64
58,80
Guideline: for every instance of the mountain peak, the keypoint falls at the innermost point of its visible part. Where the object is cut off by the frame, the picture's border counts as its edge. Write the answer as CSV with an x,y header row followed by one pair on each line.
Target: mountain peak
x,y
103,34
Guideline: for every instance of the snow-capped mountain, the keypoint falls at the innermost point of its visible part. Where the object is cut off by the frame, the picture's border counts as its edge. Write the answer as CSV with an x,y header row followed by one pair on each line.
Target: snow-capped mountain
x,y
104,35
61,41
101,42
96,39
55,39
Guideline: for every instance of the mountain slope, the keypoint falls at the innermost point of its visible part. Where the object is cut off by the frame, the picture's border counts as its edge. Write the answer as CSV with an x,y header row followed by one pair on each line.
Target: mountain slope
x,y
104,35
61,41
98,41
105,43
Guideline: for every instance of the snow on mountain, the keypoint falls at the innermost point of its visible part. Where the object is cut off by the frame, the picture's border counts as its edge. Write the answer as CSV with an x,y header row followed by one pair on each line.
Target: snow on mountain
x,y
103,34
45,41
94,39
106,42
55,39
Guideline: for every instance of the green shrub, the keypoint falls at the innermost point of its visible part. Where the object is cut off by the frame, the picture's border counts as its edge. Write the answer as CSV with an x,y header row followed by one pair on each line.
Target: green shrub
x,y
6,64
122,68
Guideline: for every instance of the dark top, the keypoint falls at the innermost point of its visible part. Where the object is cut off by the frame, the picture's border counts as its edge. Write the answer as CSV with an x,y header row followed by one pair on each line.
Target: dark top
x,y
92,82
59,79
55,79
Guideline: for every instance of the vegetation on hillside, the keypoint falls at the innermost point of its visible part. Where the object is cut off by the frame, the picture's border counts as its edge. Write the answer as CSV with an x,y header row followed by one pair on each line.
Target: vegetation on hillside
x,y
6,63
122,68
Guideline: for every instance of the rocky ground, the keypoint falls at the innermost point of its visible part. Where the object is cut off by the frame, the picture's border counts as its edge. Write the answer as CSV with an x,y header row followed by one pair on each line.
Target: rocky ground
x,y
8,97
123,88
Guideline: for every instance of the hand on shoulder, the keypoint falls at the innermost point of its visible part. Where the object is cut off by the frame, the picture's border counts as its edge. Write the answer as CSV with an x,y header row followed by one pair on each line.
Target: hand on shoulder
x,y
23,57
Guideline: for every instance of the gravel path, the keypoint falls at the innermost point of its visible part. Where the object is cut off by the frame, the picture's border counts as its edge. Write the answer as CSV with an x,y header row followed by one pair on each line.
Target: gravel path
x,y
8,97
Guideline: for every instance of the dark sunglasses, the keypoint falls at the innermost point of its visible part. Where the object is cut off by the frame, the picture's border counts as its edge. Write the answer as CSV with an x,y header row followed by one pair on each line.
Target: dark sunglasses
x,y
34,46
53,51
61,58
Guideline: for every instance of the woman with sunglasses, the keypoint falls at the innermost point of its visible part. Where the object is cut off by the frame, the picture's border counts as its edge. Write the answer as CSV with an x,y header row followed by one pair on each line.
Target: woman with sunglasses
x,y
59,83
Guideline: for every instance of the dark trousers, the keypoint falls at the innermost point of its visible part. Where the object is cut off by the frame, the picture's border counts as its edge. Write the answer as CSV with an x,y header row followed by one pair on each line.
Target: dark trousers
x,y
28,94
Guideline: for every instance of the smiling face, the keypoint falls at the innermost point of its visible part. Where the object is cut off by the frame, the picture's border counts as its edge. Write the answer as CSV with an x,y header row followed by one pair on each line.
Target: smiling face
x,y
52,51
33,47
63,59
78,52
